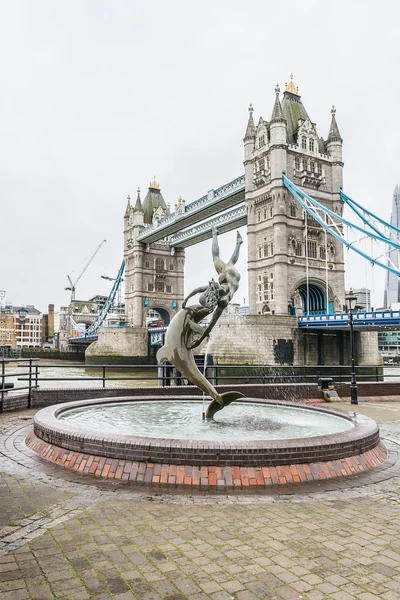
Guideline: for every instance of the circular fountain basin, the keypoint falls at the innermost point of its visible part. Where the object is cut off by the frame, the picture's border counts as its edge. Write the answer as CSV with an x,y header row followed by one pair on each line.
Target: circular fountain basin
x,y
252,432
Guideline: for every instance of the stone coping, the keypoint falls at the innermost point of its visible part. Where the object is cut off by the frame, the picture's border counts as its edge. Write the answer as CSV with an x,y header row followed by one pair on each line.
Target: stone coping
x,y
363,437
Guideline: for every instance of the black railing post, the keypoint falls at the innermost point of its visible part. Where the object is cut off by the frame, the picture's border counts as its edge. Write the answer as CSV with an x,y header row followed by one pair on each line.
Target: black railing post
x,y
30,385
3,383
104,376
377,372
36,376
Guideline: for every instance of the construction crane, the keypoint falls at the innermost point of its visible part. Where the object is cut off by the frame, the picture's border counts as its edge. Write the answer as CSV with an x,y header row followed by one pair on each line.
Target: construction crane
x,y
72,284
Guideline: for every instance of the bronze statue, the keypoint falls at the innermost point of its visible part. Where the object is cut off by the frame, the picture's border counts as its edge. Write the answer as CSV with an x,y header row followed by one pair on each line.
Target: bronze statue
x,y
185,333
228,283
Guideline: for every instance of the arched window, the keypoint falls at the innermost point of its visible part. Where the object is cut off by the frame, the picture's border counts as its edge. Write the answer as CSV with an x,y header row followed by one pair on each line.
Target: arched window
x,y
304,142
147,264
297,163
319,169
292,210
311,145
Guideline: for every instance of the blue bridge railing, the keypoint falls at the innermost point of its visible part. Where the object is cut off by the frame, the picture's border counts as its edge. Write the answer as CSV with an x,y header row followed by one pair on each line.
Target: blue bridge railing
x,y
368,318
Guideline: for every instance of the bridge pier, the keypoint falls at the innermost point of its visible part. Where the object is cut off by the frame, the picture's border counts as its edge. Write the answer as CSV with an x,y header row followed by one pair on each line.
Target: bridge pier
x,y
277,340
119,345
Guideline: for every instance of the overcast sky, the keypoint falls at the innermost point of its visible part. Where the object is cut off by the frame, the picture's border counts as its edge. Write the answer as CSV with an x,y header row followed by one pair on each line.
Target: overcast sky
x,y
98,96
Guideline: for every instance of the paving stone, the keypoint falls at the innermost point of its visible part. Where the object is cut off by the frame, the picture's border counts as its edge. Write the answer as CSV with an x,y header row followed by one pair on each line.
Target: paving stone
x,y
338,544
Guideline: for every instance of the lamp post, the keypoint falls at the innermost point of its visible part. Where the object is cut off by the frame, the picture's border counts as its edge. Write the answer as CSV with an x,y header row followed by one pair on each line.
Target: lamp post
x,y
351,300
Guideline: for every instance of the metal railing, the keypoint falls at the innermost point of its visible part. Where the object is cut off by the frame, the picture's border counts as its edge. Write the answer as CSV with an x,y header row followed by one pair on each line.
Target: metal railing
x,y
33,374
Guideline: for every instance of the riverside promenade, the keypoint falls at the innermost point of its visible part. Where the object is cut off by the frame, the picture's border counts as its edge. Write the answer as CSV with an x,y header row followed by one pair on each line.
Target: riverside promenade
x,y
72,537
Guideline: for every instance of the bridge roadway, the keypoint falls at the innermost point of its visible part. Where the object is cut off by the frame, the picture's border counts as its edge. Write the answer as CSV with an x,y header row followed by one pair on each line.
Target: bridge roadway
x,y
372,320
213,203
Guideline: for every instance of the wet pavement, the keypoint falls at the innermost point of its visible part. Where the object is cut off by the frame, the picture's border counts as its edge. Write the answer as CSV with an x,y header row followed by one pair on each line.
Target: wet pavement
x,y
64,535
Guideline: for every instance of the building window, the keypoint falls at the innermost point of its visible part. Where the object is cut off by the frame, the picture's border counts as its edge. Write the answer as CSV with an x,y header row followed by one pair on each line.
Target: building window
x,y
259,278
171,266
259,252
271,291
261,141
304,164
160,286
304,142
292,210
297,163
322,252
312,249
265,250
150,287
259,216
169,289
319,169
312,166
261,164
297,249
311,145
271,248
271,211
265,213
160,264
268,162
147,264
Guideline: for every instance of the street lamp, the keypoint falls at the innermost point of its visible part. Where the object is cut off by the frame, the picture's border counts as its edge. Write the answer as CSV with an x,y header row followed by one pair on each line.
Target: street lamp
x,y
351,300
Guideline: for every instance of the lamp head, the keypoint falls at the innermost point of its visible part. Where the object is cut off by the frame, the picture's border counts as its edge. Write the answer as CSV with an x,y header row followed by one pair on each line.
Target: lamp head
x,y
351,300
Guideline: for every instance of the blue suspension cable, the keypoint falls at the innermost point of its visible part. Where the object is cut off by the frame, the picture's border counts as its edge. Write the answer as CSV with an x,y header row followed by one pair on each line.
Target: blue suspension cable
x,y
297,193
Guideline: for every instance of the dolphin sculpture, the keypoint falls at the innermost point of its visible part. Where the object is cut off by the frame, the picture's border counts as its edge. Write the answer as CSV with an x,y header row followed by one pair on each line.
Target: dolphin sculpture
x,y
181,333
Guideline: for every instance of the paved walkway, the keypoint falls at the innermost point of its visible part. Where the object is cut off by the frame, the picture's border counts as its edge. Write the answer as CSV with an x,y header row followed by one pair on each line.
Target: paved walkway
x,y
67,536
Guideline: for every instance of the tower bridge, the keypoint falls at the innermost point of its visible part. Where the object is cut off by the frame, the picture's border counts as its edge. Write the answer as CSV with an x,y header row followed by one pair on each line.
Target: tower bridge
x,y
296,271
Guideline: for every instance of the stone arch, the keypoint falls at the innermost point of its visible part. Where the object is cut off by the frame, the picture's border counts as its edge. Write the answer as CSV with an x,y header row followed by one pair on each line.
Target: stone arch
x,y
266,310
317,302
164,313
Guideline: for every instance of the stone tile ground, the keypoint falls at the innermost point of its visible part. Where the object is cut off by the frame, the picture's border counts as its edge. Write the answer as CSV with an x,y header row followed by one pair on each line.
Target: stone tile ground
x,y
89,542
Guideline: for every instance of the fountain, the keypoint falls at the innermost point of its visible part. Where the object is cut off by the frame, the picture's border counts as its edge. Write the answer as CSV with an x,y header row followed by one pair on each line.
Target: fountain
x,y
166,432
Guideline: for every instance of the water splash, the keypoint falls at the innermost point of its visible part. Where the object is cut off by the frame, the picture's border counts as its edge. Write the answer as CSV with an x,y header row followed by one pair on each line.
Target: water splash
x,y
206,352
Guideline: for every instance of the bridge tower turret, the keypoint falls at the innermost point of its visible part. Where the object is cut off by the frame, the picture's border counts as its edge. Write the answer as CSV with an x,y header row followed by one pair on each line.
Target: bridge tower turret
x,y
281,241
154,273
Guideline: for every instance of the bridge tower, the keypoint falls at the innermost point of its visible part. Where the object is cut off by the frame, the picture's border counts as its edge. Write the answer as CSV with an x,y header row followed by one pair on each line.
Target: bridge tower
x,y
154,273
293,268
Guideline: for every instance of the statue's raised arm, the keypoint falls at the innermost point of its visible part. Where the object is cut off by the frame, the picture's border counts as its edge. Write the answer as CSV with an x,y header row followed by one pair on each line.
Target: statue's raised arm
x,y
228,283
